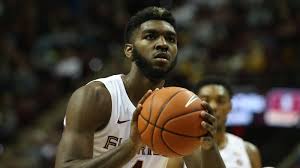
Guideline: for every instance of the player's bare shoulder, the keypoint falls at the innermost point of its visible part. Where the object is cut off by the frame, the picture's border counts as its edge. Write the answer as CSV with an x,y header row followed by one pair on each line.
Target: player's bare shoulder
x,y
250,147
254,154
89,107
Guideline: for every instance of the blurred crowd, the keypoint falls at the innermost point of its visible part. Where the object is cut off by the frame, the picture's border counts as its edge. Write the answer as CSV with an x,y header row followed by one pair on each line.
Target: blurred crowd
x,y
49,48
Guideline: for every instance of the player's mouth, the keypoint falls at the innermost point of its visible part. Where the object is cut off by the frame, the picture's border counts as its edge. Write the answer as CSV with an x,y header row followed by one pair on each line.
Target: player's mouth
x,y
162,56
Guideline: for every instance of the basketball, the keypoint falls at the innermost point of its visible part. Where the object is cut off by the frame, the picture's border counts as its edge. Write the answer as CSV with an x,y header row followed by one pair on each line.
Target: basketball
x,y
170,122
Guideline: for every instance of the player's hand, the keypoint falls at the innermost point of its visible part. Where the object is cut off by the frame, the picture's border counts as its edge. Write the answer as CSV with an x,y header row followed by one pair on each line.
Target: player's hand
x,y
210,124
134,132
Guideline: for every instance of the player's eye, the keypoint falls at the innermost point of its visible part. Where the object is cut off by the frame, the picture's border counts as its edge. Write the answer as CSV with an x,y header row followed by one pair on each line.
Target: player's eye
x,y
221,101
149,36
171,39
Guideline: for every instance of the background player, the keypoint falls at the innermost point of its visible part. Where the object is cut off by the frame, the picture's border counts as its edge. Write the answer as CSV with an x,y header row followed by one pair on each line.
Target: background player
x,y
100,127
235,151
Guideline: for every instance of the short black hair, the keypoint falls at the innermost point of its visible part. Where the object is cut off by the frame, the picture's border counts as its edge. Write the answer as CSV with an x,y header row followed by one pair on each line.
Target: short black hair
x,y
214,80
149,13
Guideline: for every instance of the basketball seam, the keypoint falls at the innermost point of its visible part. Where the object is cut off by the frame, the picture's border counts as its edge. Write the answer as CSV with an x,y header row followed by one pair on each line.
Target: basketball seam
x,y
160,111
166,121
166,105
163,139
150,110
151,103
163,129
167,145
170,119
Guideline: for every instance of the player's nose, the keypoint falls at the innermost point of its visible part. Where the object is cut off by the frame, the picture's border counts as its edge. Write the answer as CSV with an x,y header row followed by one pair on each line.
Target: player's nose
x,y
213,106
162,44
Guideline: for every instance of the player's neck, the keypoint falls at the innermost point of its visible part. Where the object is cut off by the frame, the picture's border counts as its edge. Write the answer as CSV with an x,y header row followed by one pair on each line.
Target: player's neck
x,y
137,85
221,139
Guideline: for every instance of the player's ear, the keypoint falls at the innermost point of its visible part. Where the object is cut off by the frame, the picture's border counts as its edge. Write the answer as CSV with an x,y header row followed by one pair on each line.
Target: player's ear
x,y
128,50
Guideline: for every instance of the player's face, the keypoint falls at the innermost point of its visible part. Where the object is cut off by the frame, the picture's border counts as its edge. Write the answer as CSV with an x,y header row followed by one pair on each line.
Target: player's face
x,y
219,100
155,48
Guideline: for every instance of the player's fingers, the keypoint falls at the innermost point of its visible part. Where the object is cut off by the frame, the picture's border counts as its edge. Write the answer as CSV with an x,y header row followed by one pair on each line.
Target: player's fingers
x,y
210,128
207,107
208,117
146,95
137,112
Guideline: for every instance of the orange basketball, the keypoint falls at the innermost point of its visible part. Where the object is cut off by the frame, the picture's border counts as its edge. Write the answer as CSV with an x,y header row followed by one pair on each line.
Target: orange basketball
x,y
170,122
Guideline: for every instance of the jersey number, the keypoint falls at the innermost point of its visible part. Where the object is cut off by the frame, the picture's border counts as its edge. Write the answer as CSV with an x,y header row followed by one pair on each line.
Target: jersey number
x,y
138,164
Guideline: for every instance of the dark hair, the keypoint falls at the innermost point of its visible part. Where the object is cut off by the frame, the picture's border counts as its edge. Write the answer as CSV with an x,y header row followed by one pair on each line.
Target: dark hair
x,y
149,13
213,80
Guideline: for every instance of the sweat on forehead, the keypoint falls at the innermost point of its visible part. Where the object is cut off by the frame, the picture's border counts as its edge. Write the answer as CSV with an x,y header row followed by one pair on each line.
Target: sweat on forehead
x,y
150,13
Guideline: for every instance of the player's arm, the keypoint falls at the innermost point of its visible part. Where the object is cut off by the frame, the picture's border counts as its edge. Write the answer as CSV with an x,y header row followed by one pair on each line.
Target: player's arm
x,y
89,109
253,154
208,155
175,163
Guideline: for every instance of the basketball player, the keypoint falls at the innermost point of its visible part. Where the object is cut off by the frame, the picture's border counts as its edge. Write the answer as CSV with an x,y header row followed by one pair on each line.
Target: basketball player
x,y
101,117
235,151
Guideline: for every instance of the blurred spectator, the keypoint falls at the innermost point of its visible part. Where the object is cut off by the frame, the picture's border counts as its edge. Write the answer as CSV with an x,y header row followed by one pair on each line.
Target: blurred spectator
x,y
48,48
8,118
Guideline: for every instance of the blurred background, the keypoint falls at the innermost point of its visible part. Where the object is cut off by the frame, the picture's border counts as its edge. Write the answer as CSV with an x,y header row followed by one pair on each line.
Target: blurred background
x,y
48,48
